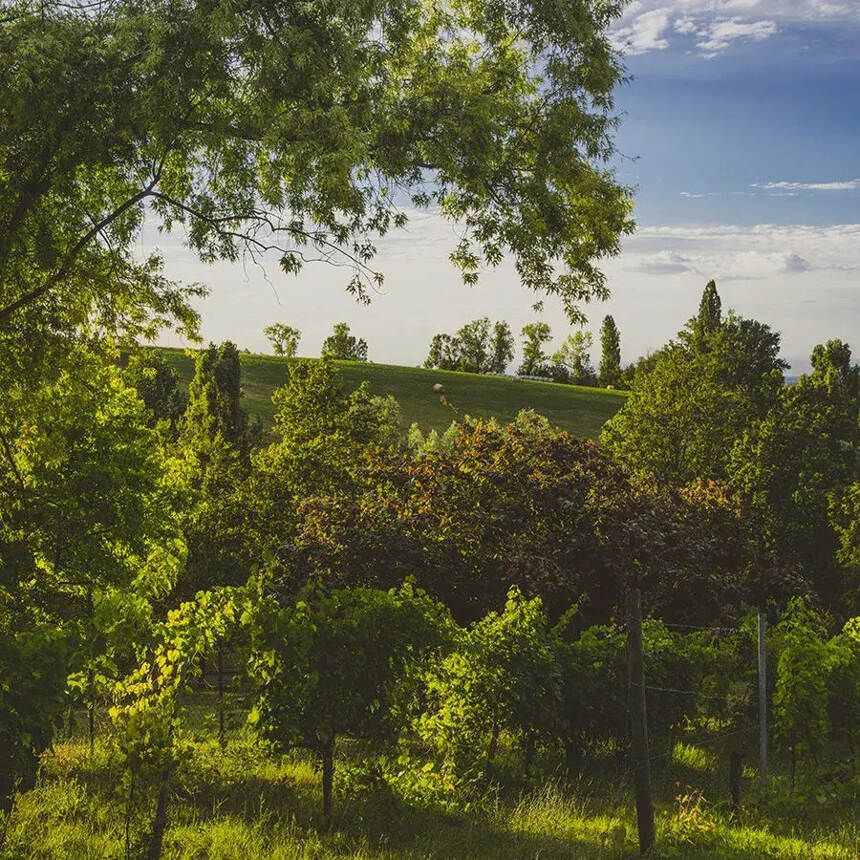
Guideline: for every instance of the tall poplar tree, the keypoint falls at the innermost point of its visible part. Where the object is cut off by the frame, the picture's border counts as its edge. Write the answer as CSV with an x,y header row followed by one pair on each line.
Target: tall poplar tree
x,y
710,316
610,352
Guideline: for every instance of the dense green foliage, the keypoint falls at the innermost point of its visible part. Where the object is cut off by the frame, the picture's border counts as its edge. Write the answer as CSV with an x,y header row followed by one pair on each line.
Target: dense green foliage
x,y
88,538
483,508
502,677
441,613
284,338
535,361
328,666
290,130
574,359
476,348
702,392
343,346
159,387
797,459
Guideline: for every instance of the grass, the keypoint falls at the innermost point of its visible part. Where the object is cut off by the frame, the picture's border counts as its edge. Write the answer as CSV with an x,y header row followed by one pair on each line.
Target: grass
x,y
582,411
241,803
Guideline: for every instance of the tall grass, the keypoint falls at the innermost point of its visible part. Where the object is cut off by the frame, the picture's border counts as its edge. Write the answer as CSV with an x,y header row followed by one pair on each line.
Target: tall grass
x,y
242,803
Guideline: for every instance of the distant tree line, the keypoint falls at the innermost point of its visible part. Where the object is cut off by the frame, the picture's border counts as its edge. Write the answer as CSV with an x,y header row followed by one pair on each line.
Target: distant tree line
x,y
339,345
479,347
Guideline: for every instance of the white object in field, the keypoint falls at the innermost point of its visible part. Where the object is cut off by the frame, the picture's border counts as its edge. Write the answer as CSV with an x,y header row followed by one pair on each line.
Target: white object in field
x,y
438,388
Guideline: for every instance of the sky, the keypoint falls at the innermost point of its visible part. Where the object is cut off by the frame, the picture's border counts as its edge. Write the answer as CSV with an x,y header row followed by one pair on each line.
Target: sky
x,y
740,134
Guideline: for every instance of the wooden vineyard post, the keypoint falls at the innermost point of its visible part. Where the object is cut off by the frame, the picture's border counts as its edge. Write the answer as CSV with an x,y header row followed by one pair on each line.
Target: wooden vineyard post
x,y
639,722
762,699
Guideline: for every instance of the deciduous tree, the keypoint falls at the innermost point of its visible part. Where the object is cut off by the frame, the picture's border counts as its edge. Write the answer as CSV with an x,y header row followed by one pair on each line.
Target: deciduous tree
x,y
159,387
797,460
574,356
327,666
284,338
535,360
343,346
703,392
292,130
502,347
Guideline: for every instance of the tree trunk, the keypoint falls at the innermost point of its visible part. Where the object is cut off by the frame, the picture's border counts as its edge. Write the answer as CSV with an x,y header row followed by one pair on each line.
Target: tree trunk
x,y
220,695
529,754
128,812
91,723
639,723
793,766
327,775
735,771
91,707
159,823
494,745
572,754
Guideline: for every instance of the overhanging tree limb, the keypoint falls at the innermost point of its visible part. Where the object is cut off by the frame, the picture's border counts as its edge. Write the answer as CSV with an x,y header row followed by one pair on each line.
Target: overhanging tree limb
x,y
68,260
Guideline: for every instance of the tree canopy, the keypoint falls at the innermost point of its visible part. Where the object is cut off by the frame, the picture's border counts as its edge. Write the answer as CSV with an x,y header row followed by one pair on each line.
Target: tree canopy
x,y
342,345
535,360
284,338
298,129
573,355
697,398
476,348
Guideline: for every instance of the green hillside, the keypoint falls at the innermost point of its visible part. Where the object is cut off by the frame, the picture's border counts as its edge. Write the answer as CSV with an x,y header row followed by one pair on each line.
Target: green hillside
x,y
582,411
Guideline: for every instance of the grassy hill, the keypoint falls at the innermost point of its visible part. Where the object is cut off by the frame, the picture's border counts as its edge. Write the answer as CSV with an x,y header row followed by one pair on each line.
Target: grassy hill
x,y
582,411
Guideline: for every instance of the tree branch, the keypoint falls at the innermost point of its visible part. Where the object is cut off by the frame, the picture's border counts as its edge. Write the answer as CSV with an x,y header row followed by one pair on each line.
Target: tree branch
x,y
52,280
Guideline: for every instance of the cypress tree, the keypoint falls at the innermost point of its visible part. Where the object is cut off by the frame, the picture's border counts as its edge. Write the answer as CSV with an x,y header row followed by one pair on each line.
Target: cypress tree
x,y
710,310
610,352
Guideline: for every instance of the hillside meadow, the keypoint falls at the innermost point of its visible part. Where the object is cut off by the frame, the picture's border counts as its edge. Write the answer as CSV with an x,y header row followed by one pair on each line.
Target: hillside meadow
x,y
582,411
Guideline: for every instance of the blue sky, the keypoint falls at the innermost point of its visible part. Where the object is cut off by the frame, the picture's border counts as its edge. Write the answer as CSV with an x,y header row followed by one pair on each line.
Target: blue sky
x,y
740,131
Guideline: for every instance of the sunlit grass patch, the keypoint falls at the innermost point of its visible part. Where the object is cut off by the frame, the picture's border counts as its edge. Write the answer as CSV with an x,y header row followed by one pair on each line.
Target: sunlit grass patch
x,y
693,757
582,411
242,802
62,819
760,842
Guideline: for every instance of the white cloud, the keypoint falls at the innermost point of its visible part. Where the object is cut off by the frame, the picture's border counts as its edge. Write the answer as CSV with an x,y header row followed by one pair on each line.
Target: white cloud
x,y
686,26
783,186
645,33
745,253
649,25
796,263
722,33
664,263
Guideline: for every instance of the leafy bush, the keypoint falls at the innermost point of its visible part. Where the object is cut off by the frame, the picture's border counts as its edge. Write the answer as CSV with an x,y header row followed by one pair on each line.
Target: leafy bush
x,y
800,694
329,665
502,677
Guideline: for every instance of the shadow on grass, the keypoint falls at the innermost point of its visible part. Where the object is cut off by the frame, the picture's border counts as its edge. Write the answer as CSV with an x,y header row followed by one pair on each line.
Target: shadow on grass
x,y
375,822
